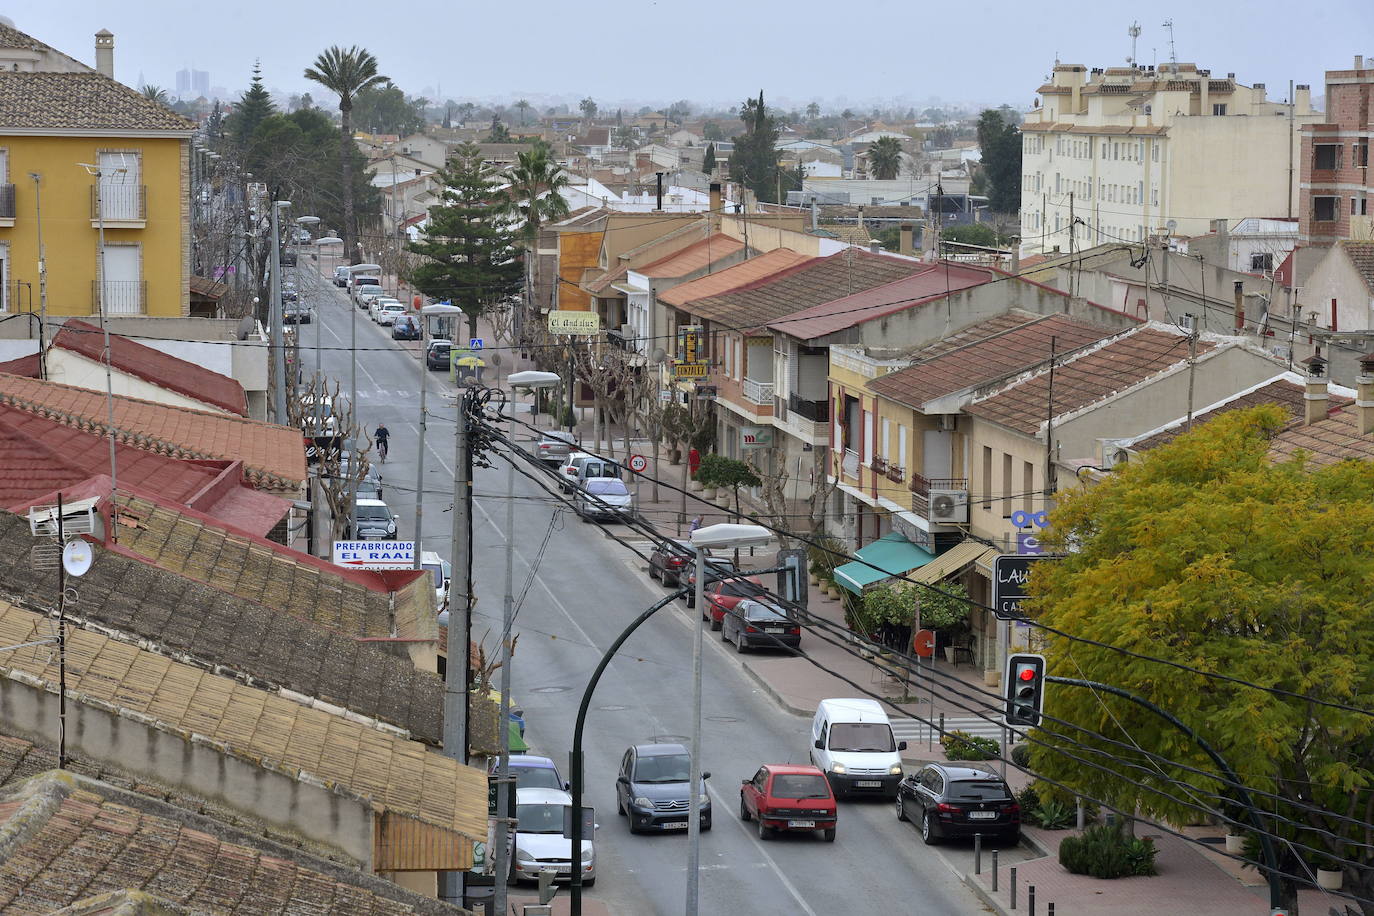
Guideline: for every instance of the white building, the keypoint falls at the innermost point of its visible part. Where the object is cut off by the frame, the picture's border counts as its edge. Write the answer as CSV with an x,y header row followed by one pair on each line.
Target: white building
x,y
1129,150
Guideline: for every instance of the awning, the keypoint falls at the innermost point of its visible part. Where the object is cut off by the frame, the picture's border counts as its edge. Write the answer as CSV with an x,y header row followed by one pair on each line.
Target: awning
x,y
953,561
893,554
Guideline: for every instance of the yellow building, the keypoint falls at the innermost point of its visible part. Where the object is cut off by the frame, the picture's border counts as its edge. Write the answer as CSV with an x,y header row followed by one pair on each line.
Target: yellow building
x,y
67,140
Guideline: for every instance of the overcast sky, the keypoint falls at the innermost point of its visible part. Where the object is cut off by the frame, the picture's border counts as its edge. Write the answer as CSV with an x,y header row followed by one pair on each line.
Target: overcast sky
x,y
633,52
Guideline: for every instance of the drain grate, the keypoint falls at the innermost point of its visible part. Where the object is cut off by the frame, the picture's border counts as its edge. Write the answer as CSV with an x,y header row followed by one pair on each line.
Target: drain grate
x,y
549,689
612,707
668,739
722,718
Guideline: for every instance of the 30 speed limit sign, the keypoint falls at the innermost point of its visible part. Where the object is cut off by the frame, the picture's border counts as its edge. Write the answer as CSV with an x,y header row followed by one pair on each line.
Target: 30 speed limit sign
x,y
638,463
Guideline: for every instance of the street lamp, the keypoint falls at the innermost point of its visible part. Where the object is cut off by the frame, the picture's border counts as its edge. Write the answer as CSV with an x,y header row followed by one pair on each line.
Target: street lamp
x,y
721,537
530,379
278,331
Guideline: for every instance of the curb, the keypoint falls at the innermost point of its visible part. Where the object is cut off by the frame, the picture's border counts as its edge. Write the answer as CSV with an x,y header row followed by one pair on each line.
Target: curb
x,y
773,693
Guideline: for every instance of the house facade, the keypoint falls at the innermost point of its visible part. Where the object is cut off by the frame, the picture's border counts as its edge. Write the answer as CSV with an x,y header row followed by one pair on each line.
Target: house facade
x,y
1336,185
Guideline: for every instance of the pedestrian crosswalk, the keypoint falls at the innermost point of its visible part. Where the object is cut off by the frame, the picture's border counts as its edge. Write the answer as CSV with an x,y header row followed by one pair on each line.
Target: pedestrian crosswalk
x,y
914,730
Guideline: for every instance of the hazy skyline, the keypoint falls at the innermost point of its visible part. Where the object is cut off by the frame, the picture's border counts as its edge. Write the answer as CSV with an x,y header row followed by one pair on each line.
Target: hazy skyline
x,y
622,52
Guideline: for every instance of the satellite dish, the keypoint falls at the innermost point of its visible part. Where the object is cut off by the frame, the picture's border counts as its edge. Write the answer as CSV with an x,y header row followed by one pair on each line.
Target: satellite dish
x,y
77,557
1171,225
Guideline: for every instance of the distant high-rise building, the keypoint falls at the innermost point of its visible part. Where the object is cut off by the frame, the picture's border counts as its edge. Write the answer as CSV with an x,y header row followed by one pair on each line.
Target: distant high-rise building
x,y
193,84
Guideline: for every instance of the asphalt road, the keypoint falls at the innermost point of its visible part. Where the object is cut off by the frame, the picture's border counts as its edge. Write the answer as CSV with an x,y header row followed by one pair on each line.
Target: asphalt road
x,y
586,588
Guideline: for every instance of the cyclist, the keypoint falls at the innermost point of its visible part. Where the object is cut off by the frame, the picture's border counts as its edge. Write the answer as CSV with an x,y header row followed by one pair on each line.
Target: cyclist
x,y
382,435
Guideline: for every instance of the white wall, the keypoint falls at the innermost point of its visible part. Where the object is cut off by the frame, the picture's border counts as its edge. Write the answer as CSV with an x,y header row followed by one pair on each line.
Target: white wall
x,y
68,368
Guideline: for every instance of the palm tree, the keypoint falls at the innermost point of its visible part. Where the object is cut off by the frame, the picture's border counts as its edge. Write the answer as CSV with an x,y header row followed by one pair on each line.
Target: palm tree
x,y
885,158
346,73
522,106
155,94
813,111
535,183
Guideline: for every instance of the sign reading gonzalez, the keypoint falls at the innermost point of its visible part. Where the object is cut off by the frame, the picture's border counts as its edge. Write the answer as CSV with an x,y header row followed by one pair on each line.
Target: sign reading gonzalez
x,y
375,554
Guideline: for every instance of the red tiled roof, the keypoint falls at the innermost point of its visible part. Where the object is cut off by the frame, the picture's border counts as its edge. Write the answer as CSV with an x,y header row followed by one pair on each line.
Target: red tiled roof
x,y
273,456
603,282
926,282
806,283
1361,254
41,456
1098,374
1282,392
996,356
154,366
27,366
695,256
745,273
1330,441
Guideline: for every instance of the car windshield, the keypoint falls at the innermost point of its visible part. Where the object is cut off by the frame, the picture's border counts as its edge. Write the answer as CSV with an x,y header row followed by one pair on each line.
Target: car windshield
x,y
977,790
861,736
757,610
740,588
393,307
607,486
437,571
535,777
440,350
800,785
374,514
539,818
665,769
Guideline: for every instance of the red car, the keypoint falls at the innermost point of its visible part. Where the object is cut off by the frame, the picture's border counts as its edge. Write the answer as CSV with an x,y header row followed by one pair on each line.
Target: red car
x,y
787,797
724,594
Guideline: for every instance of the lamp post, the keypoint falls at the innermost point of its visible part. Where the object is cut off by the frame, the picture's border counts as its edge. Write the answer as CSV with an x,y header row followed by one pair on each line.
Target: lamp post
x,y
727,536
529,380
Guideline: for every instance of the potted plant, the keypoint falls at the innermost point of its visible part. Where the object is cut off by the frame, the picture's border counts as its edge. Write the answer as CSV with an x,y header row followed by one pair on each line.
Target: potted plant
x,y
1329,873
946,612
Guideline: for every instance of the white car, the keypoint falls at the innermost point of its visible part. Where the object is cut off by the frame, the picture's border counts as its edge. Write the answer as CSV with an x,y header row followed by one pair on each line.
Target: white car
x,y
387,311
570,470
605,497
358,285
367,295
375,303
539,841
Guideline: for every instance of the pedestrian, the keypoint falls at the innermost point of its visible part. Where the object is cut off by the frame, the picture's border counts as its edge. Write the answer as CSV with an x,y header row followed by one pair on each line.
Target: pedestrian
x,y
696,523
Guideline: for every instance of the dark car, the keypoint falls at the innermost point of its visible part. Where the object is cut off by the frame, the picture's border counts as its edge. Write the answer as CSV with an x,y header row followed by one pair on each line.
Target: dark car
x,y
653,791
406,327
944,800
288,257
437,355
723,594
760,625
668,560
790,798
715,568
533,772
296,313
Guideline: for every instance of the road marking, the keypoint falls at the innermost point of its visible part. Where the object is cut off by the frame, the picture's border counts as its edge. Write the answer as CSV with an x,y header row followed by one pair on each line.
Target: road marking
x,y
758,844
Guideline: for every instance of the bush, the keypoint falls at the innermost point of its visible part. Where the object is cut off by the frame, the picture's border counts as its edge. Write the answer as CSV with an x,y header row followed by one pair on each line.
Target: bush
x,y
961,745
1105,851
1054,815
1020,755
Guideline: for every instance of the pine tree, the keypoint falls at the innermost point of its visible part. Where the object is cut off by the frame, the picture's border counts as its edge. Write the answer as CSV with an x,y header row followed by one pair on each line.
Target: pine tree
x,y
469,244
708,164
253,107
754,163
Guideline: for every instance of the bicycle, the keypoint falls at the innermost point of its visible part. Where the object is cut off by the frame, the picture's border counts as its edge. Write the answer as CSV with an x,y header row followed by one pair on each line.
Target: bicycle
x,y
382,449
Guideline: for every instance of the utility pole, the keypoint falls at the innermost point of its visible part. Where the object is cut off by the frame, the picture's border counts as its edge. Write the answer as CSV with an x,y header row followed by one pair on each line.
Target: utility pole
x,y
1190,325
503,813
1049,429
1073,238
457,673
276,332
42,276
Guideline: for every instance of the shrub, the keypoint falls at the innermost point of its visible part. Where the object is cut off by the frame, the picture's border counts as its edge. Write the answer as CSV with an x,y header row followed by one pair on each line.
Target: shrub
x,y
1020,755
1029,800
1054,815
961,745
1105,851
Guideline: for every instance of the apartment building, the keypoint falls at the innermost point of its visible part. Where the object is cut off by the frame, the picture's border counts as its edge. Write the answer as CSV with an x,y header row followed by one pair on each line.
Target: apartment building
x,y
1115,154
1336,186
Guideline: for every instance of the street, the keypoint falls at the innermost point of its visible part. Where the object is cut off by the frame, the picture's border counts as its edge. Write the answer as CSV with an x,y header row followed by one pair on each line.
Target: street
x,y
585,589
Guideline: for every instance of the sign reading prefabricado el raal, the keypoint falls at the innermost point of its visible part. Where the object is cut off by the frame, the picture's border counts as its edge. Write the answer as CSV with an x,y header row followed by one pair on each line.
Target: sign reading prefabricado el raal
x,y
565,321
375,554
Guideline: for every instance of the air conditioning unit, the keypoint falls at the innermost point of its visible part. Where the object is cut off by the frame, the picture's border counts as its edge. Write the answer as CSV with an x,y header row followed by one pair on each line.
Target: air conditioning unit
x,y
948,421
949,507
78,517
1113,452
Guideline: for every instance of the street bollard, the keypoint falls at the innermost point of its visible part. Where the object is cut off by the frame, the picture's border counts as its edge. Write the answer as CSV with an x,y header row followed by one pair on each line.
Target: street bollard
x,y
994,871
1030,899
977,853
1013,887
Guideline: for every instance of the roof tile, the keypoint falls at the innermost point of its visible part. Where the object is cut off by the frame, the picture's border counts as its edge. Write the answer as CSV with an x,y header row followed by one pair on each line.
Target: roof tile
x,y
747,272
80,101
696,256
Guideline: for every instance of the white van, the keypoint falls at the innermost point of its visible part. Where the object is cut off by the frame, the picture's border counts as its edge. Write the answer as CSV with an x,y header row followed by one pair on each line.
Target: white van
x,y
440,572
852,742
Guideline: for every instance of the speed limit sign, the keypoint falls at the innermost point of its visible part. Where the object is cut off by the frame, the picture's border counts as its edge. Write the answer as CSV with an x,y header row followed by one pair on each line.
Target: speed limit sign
x,y
638,463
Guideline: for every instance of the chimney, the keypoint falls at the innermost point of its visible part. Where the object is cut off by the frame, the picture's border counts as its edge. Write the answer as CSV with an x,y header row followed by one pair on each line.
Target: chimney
x,y
1314,398
1219,227
1239,293
1204,107
658,192
1302,99
875,246
861,217
815,214
1359,61
1364,394
715,204
104,53
904,243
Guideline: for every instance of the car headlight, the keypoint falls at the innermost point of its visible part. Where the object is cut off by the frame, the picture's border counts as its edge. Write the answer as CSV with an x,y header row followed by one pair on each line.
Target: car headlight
x,y
837,769
895,770
588,854
642,802
523,856
703,800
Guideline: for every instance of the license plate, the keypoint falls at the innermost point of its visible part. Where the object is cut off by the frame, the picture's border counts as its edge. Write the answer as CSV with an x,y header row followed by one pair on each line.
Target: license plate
x,y
982,815
869,783
675,825
809,824
772,629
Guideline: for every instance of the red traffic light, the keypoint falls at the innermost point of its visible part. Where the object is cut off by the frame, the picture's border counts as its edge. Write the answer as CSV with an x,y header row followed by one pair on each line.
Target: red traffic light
x,y
1027,673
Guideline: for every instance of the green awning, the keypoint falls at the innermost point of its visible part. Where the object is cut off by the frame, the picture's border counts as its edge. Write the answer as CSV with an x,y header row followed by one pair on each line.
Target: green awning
x,y
892,553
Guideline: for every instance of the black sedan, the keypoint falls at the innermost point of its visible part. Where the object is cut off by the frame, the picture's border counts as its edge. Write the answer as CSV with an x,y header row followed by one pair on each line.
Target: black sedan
x,y
754,624
946,800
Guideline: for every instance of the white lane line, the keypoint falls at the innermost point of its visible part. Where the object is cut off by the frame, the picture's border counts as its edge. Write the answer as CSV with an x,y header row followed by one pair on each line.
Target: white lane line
x,y
758,844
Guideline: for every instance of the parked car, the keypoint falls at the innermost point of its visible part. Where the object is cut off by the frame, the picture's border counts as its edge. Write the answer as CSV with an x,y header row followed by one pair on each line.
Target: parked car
x,y
569,471
373,521
442,573
947,800
437,354
367,295
356,284
288,256
375,303
388,310
788,798
296,313
341,275
852,743
653,789
667,561
555,445
533,772
539,841
405,327
760,625
715,568
722,595
370,486
289,293
605,497
302,236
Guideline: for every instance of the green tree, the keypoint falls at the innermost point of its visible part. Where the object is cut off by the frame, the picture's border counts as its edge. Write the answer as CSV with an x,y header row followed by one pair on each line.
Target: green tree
x,y
468,248
499,132
155,94
813,111
885,158
678,111
534,192
711,131
624,137
719,471
754,163
972,234
346,73
522,106
254,105
1210,555
588,109
1000,146
708,162
384,109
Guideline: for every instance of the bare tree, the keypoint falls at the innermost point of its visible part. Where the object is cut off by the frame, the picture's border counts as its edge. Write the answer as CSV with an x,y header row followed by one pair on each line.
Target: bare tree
x,y
340,451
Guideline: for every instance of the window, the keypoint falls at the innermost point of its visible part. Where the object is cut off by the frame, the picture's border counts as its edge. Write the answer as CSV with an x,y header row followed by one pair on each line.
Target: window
x,y
1219,108
1154,151
885,431
1261,261
987,479
1027,486
1006,486
1324,209
120,187
1326,156
1359,154
1149,110
901,446
122,288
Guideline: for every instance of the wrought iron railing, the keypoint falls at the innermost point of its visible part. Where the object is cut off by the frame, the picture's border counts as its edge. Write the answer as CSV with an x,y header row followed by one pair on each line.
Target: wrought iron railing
x,y
119,202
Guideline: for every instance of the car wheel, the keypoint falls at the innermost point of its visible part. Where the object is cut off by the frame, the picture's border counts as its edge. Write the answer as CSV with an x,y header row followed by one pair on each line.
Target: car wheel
x,y
765,833
620,806
691,600
901,811
928,830
830,835
717,624
706,826
653,574
724,637
744,814
740,645
588,882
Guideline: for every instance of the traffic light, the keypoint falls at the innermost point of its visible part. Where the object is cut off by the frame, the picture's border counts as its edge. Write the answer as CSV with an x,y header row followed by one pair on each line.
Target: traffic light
x,y
1024,687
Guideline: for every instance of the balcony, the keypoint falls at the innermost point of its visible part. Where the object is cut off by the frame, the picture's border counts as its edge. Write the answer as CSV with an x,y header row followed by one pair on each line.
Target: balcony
x,y
815,411
756,392
123,206
921,487
878,465
896,473
122,297
6,205
849,465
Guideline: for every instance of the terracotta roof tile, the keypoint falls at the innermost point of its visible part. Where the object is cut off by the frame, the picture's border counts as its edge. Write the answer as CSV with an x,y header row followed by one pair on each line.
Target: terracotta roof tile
x,y
1097,374
603,282
996,356
1284,393
1361,254
80,101
273,456
1326,442
747,272
154,366
696,256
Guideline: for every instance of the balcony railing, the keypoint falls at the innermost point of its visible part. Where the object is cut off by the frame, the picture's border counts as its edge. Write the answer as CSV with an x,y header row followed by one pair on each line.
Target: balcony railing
x,y
815,411
849,465
6,201
122,297
756,392
120,202
878,465
896,473
921,487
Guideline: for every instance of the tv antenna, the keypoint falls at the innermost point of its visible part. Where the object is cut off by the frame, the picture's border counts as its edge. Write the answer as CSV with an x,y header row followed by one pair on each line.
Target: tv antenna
x,y
1134,32
1173,55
